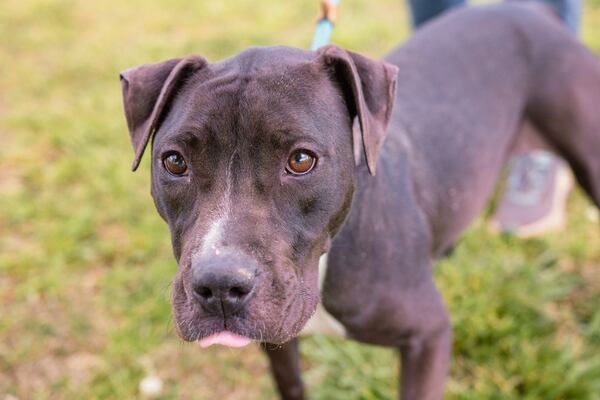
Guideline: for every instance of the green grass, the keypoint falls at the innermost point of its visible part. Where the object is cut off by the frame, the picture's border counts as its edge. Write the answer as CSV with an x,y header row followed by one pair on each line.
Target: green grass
x,y
85,261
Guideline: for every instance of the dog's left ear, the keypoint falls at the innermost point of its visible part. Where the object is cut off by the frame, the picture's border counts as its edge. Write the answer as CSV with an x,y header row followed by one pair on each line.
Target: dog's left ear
x,y
370,89
147,90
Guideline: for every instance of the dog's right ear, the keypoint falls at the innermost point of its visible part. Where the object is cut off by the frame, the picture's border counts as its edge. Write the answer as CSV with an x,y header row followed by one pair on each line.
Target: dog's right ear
x,y
147,89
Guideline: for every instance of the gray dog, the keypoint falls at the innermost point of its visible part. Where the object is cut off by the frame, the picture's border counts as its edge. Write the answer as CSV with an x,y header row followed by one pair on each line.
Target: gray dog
x,y
265,180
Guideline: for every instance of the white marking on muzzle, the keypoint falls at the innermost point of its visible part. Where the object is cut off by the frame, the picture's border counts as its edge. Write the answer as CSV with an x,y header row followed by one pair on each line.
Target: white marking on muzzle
x,y
210,242
322,322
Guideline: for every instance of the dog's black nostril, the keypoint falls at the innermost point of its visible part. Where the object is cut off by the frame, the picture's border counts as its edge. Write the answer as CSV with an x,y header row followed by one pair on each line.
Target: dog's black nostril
x,y
204,292
238,292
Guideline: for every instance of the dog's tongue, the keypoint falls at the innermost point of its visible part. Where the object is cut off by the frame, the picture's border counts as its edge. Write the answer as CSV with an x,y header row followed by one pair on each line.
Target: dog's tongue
x,y
225,338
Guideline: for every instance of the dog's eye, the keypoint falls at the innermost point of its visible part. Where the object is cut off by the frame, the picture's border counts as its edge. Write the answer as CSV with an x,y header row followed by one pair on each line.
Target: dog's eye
x,y
300,162
174,163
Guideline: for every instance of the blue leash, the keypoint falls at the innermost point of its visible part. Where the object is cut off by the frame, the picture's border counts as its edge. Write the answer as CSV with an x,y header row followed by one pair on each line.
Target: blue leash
x,y
325,23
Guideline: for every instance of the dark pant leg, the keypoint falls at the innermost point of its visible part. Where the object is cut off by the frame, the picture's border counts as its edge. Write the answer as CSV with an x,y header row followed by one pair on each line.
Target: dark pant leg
x,y
569,11
424,10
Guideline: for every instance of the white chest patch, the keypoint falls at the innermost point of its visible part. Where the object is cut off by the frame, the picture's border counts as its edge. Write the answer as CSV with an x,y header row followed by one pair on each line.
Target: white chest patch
x,y
322,322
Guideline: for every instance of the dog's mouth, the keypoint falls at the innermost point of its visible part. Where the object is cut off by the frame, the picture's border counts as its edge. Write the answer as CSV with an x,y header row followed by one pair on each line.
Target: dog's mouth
x,y
262,322
275,311
225,338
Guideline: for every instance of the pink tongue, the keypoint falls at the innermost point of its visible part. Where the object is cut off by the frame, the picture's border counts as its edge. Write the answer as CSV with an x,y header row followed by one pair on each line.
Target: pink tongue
x,y
225,338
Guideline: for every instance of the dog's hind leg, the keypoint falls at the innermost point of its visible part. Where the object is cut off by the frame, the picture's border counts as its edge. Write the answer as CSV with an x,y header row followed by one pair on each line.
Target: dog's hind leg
x,y
285,367
565,107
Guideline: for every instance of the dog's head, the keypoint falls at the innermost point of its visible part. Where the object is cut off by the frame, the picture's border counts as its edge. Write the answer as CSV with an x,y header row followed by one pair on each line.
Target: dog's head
x,y
253,168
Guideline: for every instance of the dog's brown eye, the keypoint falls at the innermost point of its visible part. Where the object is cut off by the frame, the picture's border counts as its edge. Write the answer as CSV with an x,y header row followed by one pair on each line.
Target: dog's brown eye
x,y
300,162
175,164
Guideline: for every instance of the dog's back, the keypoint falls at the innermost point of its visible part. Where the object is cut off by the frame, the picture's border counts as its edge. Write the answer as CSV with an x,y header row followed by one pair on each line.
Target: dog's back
x,y
466,84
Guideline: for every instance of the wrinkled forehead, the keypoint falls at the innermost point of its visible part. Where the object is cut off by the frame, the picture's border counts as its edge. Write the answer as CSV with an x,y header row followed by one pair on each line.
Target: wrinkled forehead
x,y
260,93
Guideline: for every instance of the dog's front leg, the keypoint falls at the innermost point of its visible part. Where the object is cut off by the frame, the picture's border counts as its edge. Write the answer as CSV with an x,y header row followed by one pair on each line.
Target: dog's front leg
x,y
425,354
285,366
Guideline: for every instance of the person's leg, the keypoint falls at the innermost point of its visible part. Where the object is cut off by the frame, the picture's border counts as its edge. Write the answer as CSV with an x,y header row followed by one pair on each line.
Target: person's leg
x,y
425,10
535,196
569,11
539,182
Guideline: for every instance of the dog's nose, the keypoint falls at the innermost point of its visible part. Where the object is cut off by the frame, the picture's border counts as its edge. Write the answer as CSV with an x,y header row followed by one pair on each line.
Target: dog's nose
x,y
223,285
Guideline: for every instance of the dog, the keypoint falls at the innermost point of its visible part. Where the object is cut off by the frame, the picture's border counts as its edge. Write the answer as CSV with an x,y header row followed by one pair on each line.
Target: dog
x,y
280,163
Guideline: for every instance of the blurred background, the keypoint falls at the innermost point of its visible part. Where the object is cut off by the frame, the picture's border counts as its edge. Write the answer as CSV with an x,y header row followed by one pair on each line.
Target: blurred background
x,y
86,263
